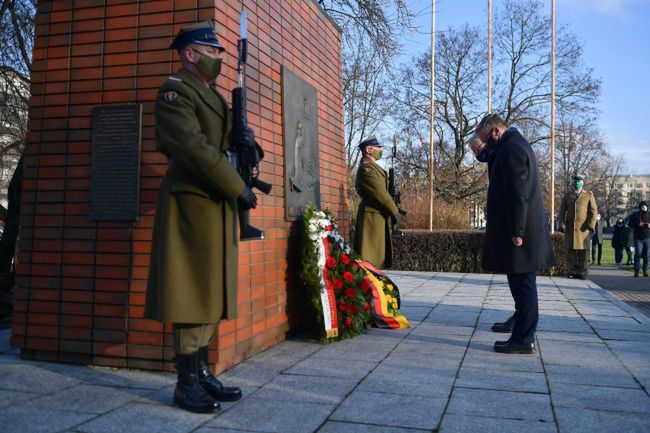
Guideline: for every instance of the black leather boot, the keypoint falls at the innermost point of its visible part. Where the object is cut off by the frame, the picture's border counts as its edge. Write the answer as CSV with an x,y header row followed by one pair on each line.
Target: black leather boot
x,y
189,394
211,384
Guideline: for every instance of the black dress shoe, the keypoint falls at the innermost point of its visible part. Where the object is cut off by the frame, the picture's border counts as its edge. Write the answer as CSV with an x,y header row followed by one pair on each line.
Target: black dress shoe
x,y
512,347
580,276
504,326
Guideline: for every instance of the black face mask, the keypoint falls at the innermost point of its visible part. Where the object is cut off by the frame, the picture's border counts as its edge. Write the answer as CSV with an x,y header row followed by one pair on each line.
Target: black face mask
x,y
490,142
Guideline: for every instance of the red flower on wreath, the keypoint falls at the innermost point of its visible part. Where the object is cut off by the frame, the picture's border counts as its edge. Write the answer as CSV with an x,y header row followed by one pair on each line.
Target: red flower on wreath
x,y
350,293
348,321
338,284
343,306
328,228
330,262
348,277
366,307
353,309
345,259
365,285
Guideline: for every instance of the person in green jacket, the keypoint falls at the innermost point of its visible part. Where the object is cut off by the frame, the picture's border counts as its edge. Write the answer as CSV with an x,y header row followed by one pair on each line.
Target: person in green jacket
x,y
193,270
377,210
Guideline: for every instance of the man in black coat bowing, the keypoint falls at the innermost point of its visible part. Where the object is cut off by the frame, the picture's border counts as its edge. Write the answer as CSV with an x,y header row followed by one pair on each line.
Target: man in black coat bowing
x,y
517,238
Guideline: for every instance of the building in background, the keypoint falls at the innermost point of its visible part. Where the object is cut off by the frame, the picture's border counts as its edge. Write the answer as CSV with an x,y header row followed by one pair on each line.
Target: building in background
x,y
632,190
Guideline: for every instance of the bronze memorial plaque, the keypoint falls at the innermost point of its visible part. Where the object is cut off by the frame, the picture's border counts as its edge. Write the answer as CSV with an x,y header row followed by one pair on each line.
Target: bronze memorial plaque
x,y
300,128
115,187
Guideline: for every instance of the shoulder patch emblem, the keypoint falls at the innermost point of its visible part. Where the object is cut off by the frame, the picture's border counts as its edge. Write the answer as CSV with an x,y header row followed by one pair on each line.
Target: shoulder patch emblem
x,y
170,96
366,169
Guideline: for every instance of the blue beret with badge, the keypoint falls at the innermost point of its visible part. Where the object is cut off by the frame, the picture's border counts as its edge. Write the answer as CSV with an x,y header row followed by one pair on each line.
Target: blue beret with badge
x,y
370,141
201,33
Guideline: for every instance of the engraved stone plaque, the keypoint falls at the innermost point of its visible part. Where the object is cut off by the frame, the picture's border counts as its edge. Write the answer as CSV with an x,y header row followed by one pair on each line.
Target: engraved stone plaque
x,y
301,158
115,187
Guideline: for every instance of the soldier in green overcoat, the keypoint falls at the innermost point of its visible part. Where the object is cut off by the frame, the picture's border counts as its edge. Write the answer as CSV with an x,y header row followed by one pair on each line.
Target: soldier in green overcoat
x,y
193,269
577,221
372,235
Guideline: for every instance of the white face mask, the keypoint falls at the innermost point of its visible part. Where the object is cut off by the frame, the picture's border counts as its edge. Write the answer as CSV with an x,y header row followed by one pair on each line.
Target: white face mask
x,y
644,208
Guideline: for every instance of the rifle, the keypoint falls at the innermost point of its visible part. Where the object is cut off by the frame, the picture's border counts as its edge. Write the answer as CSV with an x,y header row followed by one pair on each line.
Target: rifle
x,y
247,156
392,187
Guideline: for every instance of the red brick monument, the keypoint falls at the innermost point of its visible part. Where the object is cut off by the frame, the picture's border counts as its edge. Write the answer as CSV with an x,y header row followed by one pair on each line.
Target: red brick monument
x,y
92,173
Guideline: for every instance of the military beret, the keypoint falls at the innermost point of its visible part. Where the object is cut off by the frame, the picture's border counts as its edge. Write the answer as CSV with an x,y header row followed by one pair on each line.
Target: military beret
x,y
578,176
370,141
201,33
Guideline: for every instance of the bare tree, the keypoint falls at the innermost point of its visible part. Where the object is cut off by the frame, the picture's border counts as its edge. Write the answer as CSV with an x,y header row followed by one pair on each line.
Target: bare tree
x,y
367,98
16,41
379,20
522,96
523,69
605,180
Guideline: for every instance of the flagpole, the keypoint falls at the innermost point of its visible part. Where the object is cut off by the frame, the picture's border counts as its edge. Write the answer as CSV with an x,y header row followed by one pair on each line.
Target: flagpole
x,y
552,116
433,111
489,54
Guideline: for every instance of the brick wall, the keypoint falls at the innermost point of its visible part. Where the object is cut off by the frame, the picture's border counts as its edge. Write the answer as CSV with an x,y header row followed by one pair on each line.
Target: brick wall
x,y
81,283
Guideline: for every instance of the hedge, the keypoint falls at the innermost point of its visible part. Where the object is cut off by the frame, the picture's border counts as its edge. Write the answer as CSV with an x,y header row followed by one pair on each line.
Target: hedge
x,y
455,251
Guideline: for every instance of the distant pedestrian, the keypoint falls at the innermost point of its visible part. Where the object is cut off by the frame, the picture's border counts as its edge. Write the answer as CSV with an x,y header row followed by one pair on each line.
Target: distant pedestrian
x,y
577,222
597,241
517,240
620,241
640,224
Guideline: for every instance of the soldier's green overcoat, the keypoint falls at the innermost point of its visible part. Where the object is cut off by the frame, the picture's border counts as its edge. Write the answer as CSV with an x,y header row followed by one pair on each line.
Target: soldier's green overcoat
x,y
372,235
577,216
193,269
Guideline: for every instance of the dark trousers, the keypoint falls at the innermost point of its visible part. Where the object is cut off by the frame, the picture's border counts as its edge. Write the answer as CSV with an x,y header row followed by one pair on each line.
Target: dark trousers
x,y
596,246
523,288
641,252
578,261
618,255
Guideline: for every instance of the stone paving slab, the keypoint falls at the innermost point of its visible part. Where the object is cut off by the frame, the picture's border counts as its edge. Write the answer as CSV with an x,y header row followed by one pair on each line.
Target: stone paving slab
x,y
85,398
600,398
600,376
501,380
345,427
453,423
591,421
390,410
583,354
501,404
25,419
288,388
144,418
591,373
272,416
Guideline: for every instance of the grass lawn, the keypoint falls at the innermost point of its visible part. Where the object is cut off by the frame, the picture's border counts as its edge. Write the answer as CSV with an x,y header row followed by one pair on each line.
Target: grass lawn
x,y
608,256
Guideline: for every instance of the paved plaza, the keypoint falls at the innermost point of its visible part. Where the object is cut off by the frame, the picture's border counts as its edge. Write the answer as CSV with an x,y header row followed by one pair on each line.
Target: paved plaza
x,y
591,373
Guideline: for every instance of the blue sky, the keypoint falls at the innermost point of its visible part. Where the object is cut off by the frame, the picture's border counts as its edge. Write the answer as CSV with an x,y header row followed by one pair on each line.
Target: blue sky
x,y
616,42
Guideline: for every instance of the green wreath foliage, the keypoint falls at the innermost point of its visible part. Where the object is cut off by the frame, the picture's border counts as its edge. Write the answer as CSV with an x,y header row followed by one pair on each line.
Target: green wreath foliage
x,y
352,294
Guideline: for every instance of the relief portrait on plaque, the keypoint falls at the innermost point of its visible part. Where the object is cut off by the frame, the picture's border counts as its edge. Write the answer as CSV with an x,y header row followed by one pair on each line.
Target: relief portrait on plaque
x,y
300,127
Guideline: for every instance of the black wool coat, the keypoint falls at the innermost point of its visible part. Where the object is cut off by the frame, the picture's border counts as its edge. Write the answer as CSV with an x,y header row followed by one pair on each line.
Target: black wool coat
x,y
515,208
